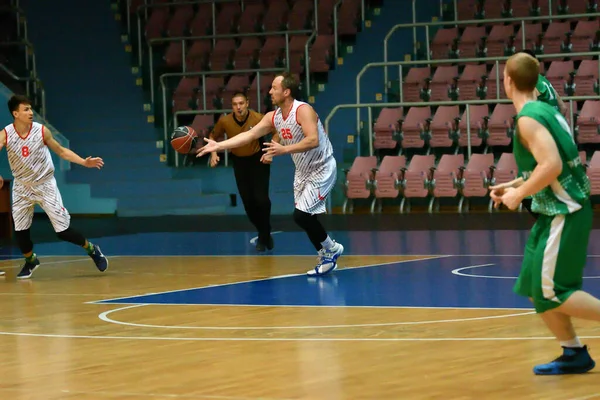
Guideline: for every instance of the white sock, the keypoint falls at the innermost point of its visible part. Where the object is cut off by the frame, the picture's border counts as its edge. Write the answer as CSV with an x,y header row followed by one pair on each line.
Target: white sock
x,y
328,243
572,343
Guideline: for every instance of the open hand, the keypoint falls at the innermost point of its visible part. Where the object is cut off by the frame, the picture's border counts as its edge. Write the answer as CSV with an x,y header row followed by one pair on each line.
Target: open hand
x,y
93,162
211,146
273,149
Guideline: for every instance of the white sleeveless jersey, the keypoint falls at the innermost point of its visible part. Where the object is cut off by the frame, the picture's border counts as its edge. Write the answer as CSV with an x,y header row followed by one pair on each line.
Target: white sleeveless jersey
x,y
290,132
29,157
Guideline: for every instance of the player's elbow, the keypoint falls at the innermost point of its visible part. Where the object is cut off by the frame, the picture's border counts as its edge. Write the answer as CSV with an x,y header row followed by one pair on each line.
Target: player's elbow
x,y
553,167
314,142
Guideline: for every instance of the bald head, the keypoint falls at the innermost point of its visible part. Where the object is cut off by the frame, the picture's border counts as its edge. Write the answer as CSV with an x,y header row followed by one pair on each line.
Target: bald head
x,y
523,71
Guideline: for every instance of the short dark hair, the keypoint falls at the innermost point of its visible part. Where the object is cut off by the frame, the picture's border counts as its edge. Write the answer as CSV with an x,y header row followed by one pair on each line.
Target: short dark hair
x,y
239,93
15,101
290,81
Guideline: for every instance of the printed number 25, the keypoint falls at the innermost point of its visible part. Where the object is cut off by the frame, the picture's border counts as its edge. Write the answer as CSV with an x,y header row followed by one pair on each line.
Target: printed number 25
x,y
286,133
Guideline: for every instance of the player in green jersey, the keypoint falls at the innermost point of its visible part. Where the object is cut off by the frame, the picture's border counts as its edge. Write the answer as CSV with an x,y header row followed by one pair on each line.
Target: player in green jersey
x,y
545,92
555,254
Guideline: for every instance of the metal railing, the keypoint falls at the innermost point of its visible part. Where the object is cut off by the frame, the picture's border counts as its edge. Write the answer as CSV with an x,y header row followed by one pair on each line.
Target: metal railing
x,y
194,112
30,66
427,25
40,94
204,74
214,37
370,106
313,34
145,8
64,165
20,21
496,60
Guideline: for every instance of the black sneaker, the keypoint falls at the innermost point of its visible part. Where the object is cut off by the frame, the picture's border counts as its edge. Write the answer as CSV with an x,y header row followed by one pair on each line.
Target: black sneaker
x,y
269,243
572,361
263,244
28,269
99,259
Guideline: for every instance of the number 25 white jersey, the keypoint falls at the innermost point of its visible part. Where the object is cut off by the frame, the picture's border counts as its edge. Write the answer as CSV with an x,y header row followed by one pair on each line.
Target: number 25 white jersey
x,y
29,157
290,132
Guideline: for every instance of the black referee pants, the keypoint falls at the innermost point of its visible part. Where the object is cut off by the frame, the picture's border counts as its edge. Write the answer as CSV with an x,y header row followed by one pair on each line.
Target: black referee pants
x,y
252,178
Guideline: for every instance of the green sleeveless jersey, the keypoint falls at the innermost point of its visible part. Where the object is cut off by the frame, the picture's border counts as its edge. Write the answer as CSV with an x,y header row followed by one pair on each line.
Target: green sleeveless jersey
x,y
572,188
547,93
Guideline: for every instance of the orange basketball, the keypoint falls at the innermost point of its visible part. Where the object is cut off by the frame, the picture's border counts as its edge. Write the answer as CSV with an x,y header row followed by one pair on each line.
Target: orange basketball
x,y
183,139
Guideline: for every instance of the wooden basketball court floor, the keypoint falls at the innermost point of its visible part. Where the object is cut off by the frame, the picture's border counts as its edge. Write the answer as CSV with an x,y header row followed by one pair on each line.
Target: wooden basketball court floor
x,y
409,315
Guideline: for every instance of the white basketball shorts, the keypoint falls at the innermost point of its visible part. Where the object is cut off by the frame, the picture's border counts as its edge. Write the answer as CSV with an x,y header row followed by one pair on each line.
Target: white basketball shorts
x,y
47,195
311,189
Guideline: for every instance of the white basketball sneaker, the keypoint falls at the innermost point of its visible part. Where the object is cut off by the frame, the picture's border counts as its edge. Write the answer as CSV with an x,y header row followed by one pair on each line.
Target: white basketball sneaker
x,y
327,260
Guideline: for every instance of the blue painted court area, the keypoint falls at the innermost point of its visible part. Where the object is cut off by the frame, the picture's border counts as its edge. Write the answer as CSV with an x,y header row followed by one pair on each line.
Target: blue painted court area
x,y
493,256
456,281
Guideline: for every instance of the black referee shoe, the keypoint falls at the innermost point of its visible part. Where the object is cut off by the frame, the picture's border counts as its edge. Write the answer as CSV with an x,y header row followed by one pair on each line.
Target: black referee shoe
x,y
263,244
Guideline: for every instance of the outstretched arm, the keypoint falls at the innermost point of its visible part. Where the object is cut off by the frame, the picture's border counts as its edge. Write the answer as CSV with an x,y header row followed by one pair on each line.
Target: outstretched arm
x,y
69,155
261,129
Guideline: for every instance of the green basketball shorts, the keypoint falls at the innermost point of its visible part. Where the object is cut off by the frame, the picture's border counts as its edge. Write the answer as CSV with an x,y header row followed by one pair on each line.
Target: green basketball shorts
x,y
555,256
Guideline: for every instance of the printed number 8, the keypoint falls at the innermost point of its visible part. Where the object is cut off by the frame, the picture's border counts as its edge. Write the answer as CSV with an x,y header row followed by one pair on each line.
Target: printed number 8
x,y
25,151
286,133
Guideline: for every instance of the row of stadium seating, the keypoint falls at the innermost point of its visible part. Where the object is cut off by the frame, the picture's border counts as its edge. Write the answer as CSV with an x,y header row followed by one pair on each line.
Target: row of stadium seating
x,y
428,128
175,20
490,125
477,83
494,9
450,178
500,40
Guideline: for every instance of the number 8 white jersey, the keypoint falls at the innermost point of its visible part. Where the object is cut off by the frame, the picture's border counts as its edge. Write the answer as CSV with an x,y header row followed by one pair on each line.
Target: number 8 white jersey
x,y
29,157
290,132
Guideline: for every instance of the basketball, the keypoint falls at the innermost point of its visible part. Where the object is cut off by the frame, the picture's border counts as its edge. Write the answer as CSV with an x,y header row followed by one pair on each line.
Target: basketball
x,y
183,139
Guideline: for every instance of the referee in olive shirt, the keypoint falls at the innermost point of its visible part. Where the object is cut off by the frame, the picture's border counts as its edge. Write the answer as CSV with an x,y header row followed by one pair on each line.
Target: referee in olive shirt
x,y
251,175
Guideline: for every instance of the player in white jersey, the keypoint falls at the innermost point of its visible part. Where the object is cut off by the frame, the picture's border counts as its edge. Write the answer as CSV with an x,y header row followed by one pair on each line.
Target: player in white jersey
x,y
302,135
27,144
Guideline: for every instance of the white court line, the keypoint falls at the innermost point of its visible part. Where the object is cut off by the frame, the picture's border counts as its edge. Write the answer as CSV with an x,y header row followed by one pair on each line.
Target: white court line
x,y
169,395
142,395
2,273
281,255
311,255
320,306
589,396
254,280
104,317
271,339
56,262
458,272
255,238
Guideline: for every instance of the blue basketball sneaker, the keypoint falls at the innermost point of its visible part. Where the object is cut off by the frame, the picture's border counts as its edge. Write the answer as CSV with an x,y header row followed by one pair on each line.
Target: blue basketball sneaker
x,y
573,361
327,260
99,259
